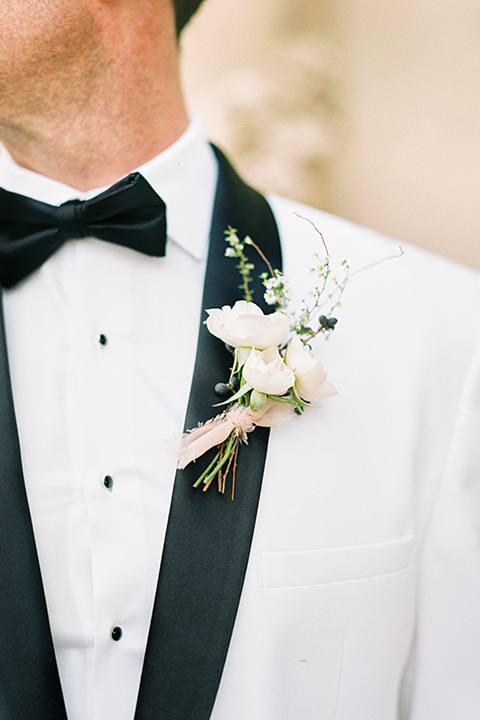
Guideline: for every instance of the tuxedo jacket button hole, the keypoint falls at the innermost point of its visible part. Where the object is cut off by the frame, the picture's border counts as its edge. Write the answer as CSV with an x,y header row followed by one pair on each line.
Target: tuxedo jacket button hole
x,y
116,633
108,482
102,339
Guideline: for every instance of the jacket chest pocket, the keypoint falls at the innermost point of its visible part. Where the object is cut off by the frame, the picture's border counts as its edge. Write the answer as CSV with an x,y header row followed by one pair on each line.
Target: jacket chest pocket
x,y
334,565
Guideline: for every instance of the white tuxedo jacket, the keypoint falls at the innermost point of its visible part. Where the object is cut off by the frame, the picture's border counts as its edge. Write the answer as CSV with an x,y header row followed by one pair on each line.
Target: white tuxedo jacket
x,y
362,594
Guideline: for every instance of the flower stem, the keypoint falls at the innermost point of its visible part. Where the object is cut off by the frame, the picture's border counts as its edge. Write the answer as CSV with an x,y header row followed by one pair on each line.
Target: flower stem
x,y
209,476
225,472
234,469
205,472
262,255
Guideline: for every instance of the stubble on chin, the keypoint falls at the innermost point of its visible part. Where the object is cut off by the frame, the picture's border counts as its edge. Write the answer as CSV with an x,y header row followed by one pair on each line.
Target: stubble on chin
x,y
44,73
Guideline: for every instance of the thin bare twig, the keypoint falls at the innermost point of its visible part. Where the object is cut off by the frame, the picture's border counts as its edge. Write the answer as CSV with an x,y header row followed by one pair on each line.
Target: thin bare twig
x,y
318,231
379,262
264,258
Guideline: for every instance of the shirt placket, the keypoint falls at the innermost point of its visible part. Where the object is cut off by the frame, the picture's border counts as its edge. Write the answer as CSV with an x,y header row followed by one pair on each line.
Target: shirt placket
x,y
104,468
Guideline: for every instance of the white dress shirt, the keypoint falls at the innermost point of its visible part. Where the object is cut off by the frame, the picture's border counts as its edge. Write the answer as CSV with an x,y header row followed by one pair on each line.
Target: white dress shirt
x,y
101,343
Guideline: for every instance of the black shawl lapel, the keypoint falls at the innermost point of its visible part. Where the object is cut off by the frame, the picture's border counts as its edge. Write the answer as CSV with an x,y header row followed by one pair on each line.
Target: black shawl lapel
x,y
29,683
208,536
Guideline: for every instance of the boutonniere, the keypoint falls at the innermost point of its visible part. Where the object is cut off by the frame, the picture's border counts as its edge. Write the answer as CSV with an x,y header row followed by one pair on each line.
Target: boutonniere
x,y
274,374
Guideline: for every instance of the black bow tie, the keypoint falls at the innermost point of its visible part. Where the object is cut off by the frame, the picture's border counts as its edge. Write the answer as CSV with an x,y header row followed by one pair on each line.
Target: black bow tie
x,y
130,213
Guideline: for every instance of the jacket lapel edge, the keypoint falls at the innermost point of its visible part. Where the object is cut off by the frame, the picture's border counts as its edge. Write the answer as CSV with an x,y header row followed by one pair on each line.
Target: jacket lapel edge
x,y
208,536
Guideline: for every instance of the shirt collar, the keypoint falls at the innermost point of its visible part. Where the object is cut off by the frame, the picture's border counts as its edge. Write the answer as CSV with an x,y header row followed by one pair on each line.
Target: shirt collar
x,y
184,175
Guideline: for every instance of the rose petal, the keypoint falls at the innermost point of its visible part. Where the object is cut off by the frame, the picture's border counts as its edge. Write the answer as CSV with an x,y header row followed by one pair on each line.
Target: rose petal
x,y
273,414
271,378
310,377
245,325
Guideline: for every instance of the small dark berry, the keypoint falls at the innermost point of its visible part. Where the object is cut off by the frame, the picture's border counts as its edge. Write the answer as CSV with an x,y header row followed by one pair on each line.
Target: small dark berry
x,y
235,382
222,389
322,320
331,322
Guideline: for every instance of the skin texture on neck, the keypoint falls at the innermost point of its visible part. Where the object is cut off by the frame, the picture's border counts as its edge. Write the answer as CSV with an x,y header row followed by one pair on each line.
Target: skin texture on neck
x,y
89,89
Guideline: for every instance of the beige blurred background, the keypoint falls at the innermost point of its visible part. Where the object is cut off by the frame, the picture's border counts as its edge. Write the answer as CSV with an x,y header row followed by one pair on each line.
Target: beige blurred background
x,y
367,108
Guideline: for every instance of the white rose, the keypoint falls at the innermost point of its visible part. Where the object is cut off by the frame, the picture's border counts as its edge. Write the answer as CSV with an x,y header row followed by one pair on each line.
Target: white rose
x,y
245,325
273,414
310,377
267,373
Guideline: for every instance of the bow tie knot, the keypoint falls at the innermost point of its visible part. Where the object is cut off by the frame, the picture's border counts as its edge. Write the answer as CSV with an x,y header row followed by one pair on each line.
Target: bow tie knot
x,y
130,213
70,220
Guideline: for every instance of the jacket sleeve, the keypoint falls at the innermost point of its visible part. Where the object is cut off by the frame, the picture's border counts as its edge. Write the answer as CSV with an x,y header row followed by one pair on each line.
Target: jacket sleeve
x,y
443,679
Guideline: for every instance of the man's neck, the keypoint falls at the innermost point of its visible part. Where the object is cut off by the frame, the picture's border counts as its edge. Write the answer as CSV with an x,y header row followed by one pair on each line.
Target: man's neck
x,y
113,109
87,154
